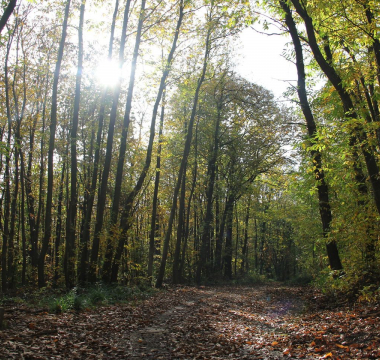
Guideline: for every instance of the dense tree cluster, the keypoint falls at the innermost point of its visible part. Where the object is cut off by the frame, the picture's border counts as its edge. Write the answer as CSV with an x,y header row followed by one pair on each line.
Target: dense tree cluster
x,y
132,150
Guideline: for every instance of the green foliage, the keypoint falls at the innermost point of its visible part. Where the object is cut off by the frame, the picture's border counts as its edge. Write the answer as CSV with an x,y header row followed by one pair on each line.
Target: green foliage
x,y
77,299
251,278
354,284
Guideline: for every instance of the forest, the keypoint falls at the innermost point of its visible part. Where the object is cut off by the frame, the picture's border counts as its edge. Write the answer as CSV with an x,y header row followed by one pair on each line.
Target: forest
x,y
157,204
132,151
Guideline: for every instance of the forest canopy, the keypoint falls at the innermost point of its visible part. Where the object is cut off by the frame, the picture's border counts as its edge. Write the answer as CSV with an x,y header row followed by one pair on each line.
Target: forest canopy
x,y
133,150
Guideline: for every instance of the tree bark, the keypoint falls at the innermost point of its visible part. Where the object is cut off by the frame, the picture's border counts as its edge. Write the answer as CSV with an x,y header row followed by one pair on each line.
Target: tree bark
x,y
53,125
227,259
323,191
7,192
185,156
188,211
154,226
123,147
94,178
180,231
244,262
358,134
7,13
126,221
108,157
72,209
203,263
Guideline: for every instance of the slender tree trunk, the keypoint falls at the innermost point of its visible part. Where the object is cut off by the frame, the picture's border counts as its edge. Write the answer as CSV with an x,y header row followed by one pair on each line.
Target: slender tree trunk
x,y
188,211
33,231
358,134
107,164
203,264
123,147
41,192
58,228
53,125
126,221
323,192
228,248
88,158
219,242
180,232
376,43
185,156
237,240
19,113
70,257
23,232
244,262
7,192
7,13
94,179
154,226
255,246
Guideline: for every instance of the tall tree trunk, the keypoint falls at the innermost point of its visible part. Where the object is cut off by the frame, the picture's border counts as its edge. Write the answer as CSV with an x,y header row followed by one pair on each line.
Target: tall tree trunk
x,y
219,242
107,164
123,147
188,210
256,246
203,263
323,191
41,191
23,231
358,134
244,262
58,228
376,43
185,156
19,114
227,260
70,257
126,221
154,226
53,125
7,195
180,231
7,13
94,178
88,158
237,240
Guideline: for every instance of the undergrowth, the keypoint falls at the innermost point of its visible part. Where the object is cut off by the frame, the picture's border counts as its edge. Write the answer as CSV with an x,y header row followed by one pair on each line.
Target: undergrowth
x,y
58,300
350,285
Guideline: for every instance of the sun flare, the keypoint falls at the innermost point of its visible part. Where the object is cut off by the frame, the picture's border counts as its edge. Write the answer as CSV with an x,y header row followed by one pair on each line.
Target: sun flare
x,y
108,73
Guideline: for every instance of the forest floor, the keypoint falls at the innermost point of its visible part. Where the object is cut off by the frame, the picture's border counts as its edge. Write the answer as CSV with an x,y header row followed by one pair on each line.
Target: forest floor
x,y
229,322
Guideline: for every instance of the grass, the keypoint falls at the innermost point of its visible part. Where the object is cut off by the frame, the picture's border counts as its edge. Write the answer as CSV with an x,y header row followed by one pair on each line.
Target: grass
x,y
59,300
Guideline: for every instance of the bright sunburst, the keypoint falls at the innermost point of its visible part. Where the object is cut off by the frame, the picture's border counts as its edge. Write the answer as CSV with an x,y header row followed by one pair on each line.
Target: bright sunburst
x,y
108,73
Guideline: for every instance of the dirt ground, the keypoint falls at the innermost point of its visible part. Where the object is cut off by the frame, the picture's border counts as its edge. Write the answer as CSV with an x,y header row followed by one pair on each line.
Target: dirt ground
x,y
260,322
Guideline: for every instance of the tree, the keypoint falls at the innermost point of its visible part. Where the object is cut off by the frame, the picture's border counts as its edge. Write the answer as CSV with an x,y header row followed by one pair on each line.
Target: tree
x,y
72,209
7,13
323,191
125,221
107,163
53,125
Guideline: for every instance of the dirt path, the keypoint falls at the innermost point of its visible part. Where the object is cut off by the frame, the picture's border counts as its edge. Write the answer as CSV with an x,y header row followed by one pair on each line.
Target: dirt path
x,y
266,322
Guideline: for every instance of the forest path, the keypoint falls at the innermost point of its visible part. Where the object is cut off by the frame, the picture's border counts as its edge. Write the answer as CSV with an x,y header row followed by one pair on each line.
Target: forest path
x,y
230,322
215,323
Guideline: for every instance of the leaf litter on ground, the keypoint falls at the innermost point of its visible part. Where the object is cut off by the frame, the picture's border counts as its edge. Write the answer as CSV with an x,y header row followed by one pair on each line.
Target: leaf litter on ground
x,y
226,322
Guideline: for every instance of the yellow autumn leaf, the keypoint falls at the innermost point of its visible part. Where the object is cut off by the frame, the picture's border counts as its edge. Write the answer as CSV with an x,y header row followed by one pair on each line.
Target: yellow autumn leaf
x,y
328,355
